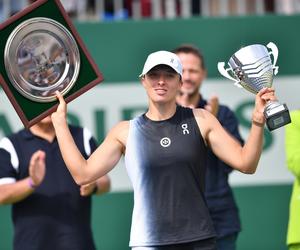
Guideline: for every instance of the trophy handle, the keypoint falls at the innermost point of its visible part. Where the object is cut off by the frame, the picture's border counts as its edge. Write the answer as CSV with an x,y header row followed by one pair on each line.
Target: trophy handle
x,y
274,52
224,72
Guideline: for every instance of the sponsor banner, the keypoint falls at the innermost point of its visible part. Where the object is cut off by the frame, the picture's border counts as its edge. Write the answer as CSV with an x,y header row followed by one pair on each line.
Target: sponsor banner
x,y
102,107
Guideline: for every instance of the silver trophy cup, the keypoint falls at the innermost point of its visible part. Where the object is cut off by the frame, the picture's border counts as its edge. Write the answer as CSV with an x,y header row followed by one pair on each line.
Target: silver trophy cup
x,y
251,68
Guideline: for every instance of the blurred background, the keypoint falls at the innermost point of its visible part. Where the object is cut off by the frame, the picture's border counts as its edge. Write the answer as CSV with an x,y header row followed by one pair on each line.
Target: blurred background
x,y
119,34
103,10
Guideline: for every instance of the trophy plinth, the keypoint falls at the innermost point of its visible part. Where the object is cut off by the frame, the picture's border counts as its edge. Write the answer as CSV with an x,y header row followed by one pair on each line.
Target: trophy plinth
x,y
277,115
252,69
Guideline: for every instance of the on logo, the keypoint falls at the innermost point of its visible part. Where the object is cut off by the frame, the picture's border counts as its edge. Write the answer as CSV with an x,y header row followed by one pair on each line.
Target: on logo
x,y
184,129
165,142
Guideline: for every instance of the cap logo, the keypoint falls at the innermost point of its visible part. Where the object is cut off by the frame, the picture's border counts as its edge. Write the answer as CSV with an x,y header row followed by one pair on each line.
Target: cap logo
x,y
173,61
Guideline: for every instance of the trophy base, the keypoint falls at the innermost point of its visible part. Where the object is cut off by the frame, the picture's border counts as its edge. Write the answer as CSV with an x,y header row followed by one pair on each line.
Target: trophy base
x,y
277,115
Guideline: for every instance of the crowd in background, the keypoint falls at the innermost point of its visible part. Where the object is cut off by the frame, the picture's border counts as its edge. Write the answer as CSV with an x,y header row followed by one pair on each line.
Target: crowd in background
x,y
105,10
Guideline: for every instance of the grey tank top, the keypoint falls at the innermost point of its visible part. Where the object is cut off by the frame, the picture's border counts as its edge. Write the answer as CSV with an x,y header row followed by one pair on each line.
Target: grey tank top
x,y
166,161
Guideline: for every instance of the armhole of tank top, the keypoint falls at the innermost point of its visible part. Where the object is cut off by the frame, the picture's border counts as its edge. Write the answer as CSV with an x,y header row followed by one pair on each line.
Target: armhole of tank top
x,y
199,129
129,135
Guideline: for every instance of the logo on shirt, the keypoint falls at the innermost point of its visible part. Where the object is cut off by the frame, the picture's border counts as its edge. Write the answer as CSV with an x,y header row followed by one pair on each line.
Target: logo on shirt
x,y
185,129
165,142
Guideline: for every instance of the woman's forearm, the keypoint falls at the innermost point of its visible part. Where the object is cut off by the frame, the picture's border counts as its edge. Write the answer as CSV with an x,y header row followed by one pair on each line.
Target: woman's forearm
x,y
252,149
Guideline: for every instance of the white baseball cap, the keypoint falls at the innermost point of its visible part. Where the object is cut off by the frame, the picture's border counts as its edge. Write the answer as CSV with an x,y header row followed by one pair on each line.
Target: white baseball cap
x,y
162,57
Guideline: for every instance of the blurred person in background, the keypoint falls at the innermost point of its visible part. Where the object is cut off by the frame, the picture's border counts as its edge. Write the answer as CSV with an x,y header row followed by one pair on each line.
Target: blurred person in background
x,y
292,146
218,193
49,210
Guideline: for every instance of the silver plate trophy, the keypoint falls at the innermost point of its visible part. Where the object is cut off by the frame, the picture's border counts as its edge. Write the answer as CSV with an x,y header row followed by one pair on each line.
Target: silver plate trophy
x,y
251,68
41,56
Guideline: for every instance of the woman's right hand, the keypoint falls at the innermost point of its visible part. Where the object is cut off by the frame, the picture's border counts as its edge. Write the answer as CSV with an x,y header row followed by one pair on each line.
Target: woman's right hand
x,y
59,117
262,98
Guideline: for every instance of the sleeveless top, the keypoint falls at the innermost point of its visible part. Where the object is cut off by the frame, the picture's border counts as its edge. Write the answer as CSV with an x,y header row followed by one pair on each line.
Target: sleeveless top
x,y
166,161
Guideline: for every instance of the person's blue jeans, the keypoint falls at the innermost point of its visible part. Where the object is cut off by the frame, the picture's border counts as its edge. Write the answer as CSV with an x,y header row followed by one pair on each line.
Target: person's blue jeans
x,y
227,242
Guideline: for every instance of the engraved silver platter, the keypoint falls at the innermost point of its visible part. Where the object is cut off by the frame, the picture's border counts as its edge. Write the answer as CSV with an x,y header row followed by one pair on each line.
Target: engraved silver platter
x,y
41,56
